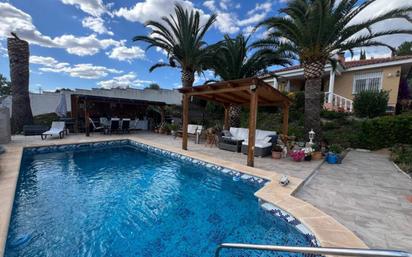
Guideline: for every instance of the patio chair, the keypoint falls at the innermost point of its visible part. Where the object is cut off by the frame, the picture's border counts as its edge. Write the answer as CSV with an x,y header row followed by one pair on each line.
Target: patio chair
x,y
125,125
57,129
114,125
95,128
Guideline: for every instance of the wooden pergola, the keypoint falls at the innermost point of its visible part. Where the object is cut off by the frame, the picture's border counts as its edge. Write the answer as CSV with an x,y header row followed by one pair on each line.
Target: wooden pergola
x,y
252,92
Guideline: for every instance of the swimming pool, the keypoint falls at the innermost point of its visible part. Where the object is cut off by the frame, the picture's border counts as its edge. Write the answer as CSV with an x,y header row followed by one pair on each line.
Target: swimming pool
x,y
122,198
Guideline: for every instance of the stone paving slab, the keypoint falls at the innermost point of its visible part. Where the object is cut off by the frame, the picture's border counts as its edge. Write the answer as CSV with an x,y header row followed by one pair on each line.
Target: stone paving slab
x,y
367,194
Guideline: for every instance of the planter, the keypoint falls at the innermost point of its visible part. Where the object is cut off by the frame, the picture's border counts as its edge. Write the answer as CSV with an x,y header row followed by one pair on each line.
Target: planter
x,y
317,156
276,155
333,158
308,158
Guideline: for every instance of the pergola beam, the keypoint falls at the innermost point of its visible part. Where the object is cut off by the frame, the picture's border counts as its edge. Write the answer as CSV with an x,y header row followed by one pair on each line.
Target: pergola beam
x,y
217,91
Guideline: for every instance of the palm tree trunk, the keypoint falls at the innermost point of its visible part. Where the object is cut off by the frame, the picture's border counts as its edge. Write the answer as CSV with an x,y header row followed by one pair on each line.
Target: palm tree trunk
x,y
19,54
312,107
188,77
313,74
234,115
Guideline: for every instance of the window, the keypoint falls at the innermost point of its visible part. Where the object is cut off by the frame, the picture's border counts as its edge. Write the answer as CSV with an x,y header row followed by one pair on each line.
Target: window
x,y
367,81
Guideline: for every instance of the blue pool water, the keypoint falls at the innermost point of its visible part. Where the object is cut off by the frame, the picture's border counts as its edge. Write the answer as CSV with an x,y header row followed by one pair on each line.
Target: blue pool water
x,y
122,201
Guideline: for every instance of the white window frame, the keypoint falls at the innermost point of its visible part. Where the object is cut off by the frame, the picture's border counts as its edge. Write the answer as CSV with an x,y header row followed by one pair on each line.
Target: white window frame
x,y
368,76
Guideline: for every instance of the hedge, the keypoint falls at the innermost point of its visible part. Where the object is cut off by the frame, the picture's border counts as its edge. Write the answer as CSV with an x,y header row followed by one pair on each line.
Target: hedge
x,y
385,131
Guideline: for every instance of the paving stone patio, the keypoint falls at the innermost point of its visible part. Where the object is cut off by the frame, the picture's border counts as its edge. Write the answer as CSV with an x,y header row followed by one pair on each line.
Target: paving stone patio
x,y
367,194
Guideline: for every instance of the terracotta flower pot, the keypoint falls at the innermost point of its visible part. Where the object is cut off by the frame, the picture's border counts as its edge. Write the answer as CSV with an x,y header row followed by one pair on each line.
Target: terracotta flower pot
x,y
317,156
276,155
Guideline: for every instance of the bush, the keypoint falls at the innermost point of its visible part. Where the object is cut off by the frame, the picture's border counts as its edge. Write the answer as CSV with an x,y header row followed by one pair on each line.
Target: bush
x,y
402,155
332,115
370,103
384,132
45,119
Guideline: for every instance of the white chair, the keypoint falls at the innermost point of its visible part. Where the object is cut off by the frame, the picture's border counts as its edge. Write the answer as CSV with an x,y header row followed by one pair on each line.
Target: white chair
x,y
95,128
57,129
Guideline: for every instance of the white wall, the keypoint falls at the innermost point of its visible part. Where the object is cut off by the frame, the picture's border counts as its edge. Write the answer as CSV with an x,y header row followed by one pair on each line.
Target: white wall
x,y
47,102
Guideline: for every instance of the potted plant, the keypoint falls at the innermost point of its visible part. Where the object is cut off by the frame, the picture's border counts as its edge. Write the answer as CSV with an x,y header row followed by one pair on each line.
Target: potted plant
x,y
277,152
308,153
317,154
333,156
173,129
297,155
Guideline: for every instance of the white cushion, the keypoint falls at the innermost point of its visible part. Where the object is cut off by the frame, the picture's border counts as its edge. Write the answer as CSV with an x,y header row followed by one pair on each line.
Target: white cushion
x,y
191,129
267,139
260,144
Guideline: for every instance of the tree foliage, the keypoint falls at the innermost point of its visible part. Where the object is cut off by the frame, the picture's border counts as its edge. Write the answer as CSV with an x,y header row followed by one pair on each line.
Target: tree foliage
x,y
154,86
232,58
404,49
5,86
181,36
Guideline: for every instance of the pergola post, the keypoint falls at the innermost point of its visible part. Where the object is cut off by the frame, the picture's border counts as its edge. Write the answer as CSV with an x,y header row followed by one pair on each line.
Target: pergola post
x,y
226,120
185,120
285,122
252,127
86,119
162,114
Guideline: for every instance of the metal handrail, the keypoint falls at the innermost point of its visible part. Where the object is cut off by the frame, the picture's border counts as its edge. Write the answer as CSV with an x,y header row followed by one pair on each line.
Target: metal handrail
x,y
316,250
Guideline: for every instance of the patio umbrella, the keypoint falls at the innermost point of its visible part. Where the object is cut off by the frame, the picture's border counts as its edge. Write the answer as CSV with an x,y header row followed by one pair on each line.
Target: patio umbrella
x,y
61,108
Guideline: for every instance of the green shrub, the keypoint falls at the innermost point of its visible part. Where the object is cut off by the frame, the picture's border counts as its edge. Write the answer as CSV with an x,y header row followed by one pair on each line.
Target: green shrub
x,y
384,132
402,155
332,115
370,103
46,119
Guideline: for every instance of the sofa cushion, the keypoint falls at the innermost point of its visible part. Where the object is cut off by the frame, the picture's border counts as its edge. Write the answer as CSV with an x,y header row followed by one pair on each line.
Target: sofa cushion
x,y
226,133
260,144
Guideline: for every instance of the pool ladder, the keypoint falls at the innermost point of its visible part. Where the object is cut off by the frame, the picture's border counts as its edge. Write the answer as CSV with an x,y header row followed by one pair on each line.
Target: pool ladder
x,y
315,250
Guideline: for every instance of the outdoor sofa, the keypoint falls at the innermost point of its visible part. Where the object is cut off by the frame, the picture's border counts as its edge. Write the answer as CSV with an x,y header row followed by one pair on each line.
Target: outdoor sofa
x,y
236,140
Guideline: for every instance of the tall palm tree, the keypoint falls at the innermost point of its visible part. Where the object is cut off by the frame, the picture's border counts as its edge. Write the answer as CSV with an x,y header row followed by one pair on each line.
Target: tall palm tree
x,y
316,30
181,36
19,74
232,59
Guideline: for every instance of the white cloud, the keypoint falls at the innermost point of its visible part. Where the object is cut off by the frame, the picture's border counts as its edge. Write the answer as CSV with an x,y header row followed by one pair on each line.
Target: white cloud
x,y
155,10
95,8
124,81
228,22
210,4
3,50
123,53
257,14
84,70
96,24
15,20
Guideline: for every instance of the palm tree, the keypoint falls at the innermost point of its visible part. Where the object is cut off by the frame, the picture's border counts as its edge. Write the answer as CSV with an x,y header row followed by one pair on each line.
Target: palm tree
x,y
230,61
19,74
316,30
181,36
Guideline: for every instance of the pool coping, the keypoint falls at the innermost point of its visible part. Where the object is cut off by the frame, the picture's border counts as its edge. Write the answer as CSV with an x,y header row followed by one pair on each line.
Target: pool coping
x,y
328,231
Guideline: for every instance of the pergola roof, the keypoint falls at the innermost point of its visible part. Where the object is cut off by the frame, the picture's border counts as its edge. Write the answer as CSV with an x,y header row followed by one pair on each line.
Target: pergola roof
x,y
239,92
108,99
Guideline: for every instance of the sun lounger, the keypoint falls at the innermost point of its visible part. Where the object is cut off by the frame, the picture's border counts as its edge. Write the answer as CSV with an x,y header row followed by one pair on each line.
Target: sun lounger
x,y
95,128
125,125
114,125
57,129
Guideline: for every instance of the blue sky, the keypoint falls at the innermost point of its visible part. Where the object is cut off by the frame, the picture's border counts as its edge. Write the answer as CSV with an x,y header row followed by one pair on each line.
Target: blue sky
x,y
87,43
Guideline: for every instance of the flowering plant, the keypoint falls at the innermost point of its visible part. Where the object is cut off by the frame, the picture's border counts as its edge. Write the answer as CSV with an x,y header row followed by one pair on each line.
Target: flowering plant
x,y
297,155
308,150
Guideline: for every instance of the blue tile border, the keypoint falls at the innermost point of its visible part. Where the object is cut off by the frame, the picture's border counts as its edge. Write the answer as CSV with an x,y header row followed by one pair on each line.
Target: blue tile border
x,y
237,176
